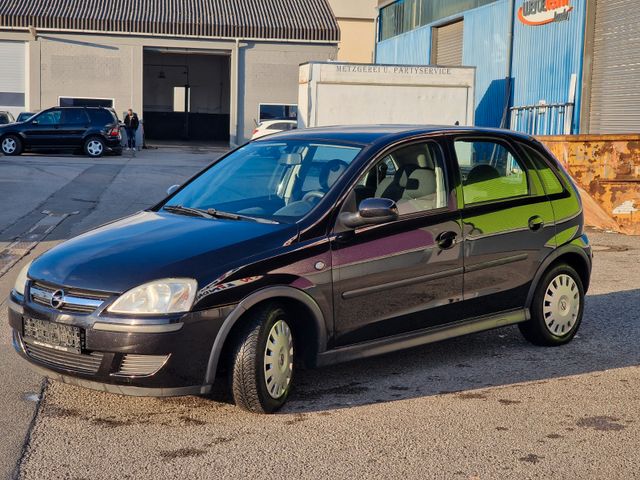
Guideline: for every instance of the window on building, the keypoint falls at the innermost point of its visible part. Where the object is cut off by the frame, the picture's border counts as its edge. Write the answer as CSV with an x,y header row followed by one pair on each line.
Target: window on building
x,y
490,171
272,111
405,15
85,102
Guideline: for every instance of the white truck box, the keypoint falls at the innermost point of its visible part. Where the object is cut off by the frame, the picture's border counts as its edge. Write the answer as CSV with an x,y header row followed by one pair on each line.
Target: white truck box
x,y
332,93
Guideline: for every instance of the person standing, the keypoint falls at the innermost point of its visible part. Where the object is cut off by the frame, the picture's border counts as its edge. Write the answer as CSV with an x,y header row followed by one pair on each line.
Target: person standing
x,y
131,124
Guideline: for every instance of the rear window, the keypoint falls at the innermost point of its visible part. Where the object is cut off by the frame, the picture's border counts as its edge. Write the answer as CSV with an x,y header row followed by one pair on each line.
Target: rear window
x,y
101,116
549,179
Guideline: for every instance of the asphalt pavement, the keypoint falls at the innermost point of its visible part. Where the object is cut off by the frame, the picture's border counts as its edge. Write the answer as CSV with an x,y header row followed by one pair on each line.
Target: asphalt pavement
x,y
483,406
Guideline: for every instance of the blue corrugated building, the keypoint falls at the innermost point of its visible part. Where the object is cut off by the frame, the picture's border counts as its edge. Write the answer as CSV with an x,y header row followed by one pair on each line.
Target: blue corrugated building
x,y
530,58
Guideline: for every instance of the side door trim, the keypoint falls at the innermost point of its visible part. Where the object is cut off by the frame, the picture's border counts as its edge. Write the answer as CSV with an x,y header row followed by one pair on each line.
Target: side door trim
x,y
422,337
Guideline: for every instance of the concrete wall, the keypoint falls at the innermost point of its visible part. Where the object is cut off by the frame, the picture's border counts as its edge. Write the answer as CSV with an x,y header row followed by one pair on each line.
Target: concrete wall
x,y
607,168
88,69
268,73
362,9
357,22
357,40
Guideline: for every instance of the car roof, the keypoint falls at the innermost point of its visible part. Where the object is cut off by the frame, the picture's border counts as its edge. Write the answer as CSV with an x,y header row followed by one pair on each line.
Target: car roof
x,y
371,134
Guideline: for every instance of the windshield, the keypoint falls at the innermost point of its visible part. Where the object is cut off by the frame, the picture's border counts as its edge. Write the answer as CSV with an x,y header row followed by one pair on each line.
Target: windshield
x,y
279,181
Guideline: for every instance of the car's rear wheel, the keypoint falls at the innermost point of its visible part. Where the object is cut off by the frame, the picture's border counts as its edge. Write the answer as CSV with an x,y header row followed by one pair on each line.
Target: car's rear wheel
x,y
263,361
11,145
94,147
557,307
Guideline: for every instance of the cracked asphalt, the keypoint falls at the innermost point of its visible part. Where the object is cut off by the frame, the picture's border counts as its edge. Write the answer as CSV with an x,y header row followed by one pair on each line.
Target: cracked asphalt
x,y
479,407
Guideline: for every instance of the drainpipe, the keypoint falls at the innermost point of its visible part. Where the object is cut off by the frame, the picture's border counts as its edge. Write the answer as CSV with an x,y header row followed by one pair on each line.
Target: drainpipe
x,y
235,90
508,84
376,35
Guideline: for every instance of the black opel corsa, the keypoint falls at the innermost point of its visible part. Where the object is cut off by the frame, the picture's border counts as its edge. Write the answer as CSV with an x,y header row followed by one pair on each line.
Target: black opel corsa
x,y
314,246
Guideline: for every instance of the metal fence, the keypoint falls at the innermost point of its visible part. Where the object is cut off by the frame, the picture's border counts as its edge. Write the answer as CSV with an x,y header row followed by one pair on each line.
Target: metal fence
x,y
543,119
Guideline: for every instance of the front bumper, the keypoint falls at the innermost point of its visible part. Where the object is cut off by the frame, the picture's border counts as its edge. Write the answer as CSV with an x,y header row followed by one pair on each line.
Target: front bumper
x,y
114,350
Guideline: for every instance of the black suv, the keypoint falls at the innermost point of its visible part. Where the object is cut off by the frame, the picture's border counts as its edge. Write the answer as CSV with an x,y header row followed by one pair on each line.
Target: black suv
x,y
315,246
94,130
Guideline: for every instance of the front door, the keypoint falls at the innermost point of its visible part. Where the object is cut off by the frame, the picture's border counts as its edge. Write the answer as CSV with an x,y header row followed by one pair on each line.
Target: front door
x,y
404,275
508,223
44,129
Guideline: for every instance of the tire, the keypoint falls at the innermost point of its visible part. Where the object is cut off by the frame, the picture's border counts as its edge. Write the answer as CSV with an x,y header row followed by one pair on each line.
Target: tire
x,y
557,308
94,147
11,145
252,386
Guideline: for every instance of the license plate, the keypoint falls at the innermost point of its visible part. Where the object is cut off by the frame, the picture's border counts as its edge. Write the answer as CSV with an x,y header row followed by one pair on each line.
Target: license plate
x,y
66,338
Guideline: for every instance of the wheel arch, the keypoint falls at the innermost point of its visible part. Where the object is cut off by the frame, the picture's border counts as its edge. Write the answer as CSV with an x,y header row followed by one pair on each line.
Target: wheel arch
x,y
19,136
572,255
292,299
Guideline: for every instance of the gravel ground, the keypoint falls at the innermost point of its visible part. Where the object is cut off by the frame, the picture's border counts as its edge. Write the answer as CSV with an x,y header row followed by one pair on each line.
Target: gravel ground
x,y
480,407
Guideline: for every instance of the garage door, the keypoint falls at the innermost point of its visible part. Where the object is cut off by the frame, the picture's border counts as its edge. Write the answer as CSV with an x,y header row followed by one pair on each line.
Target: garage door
x,y
615,87
12,83
446,44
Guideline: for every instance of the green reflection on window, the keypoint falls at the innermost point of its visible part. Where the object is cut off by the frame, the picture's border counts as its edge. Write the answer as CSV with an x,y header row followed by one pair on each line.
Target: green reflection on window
x,y
405,15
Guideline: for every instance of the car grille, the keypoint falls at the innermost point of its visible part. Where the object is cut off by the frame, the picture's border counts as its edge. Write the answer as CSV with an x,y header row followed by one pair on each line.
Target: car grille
x,y
134,365
84,363
74,300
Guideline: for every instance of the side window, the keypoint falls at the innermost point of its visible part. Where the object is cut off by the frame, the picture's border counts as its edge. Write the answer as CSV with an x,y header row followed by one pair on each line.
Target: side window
x,y
101,116
52,117
412,176
74,116
489,171
550,181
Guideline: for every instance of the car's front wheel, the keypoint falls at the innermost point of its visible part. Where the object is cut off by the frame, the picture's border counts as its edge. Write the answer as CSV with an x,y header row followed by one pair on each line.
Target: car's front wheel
x,y
263,361
557,307
11,145
94,147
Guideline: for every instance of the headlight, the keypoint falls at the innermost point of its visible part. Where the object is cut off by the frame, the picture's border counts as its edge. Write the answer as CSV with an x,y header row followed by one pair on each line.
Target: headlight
x,y
21,281
169,295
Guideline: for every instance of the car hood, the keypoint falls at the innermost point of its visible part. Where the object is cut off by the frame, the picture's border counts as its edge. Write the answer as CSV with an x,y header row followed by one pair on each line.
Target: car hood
x,y
153,245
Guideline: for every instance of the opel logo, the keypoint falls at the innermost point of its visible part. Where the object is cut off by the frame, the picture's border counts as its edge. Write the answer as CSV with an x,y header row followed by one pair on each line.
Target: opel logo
x,y
57,299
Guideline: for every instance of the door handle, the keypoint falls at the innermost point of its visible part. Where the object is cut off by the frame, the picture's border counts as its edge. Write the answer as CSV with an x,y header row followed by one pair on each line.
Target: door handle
x,y
446,240
536,223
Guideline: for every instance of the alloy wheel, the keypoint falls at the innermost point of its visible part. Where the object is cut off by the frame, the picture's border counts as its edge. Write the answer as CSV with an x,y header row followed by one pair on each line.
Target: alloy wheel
x,y
9,146
561,305
278,359
94,147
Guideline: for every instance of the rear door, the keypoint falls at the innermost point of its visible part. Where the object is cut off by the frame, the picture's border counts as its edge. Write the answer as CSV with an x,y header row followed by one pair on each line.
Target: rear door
x,y
405,275
75,122
507,219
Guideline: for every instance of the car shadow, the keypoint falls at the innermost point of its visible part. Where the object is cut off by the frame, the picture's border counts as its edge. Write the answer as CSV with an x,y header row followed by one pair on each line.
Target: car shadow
x,y
608,339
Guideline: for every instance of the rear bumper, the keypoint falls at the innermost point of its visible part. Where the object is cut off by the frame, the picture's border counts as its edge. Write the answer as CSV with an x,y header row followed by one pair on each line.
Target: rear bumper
x,y
178,357
113,145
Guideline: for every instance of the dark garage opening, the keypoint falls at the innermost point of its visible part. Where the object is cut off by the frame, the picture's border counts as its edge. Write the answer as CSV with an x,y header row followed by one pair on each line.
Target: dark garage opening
x,y
186,96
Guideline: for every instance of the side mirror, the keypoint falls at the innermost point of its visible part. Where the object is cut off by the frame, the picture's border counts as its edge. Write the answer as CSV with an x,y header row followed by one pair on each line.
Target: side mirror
x,y
172,189
372,211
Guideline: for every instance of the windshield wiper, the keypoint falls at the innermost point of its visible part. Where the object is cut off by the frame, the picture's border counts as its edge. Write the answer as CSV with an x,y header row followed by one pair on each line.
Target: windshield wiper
x,y
236,216
212,213
187,211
